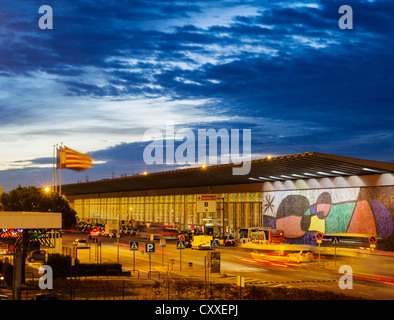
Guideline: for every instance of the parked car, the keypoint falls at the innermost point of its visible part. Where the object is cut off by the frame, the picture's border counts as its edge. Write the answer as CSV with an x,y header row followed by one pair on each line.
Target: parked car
x,y
226,241
301,255
80,243
3,297
36,255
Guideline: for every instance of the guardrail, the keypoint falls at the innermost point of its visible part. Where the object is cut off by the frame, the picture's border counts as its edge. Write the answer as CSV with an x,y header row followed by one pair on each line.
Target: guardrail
x,y
149,274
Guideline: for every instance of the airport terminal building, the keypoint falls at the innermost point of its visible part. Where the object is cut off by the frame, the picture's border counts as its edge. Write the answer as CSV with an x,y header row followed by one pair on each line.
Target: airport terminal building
x,y
300,194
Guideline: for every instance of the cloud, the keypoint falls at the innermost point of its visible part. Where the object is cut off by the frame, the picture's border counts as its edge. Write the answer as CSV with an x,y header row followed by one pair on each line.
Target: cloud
x,y
110,70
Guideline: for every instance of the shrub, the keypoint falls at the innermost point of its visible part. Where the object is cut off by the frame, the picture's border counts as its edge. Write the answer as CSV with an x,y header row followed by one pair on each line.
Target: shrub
x,y
60,264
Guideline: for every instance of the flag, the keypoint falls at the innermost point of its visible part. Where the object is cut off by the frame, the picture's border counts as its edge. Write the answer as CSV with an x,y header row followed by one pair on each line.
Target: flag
x,y
71,159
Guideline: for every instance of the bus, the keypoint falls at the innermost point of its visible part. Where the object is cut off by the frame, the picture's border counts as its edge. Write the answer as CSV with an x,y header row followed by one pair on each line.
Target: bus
x,y
262,235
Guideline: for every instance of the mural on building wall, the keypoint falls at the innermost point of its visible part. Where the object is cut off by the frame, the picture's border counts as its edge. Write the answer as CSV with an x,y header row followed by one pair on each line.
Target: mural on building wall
x,y
331,211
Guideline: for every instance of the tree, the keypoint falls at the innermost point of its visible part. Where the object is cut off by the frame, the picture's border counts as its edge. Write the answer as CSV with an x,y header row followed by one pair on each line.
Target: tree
x,y
32,199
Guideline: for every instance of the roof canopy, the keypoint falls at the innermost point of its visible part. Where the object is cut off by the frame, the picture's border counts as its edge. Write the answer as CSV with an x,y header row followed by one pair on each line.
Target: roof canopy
x,y
307,165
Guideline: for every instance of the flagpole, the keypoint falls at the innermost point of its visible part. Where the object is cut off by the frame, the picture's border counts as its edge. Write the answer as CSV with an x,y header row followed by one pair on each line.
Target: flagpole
x,y
57,161
60,184
53,169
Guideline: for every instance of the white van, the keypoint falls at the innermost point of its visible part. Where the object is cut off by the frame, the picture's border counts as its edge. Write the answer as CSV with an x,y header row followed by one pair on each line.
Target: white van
x,y
201,242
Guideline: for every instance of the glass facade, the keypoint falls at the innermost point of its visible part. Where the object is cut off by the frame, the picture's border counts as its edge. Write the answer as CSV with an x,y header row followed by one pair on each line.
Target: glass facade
x,y
234,210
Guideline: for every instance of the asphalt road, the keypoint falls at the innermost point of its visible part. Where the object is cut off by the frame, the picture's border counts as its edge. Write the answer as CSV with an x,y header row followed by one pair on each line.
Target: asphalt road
x,y
372,274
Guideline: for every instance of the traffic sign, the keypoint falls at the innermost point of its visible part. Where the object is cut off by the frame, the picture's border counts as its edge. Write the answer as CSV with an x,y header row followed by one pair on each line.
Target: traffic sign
x,y
163,242
373,240
215,244
134,245
215,262
180,245
335,241
319,236
181,237
150,247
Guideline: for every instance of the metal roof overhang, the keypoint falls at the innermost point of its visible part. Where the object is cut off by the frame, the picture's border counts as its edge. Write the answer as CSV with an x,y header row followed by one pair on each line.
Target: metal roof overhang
x,y
307,165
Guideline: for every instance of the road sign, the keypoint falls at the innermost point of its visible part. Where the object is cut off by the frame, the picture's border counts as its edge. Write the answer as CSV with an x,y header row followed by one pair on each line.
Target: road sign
x,y
180,244
181,237
134,245
206,203
150,247
335,241
319,236
215,244
215,262
373,240
163,242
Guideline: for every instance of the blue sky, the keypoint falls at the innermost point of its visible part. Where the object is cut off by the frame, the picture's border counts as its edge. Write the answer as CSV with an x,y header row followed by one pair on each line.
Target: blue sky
x,y
110,70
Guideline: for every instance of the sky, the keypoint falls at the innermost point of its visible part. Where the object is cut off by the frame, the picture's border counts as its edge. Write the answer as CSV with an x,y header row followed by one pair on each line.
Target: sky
x,y
109,71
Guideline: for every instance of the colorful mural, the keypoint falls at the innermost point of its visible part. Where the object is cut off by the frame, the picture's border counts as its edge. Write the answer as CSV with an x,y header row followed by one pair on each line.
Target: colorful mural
x,y
331,211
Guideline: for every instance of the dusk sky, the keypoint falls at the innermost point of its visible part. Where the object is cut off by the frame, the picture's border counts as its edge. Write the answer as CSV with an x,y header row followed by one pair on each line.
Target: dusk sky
x,y
110,70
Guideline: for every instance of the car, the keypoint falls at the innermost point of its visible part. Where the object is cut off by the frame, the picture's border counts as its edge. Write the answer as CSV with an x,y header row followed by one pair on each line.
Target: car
x,y
226,241
300,255
3,297
36,255
95,232
80,243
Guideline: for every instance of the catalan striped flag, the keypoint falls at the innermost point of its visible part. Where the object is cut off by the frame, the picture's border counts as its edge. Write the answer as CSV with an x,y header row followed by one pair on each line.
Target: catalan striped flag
x,y
71,159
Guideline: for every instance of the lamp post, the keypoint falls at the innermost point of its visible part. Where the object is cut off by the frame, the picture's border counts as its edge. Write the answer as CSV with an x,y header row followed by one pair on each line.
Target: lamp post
x,y
118,235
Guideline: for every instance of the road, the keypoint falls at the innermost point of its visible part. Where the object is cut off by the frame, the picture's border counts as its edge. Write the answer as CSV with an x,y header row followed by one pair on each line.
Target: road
x,y
372,274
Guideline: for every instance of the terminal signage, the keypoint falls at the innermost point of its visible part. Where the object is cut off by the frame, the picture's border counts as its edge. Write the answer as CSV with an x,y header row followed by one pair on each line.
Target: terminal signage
x,y
206,203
